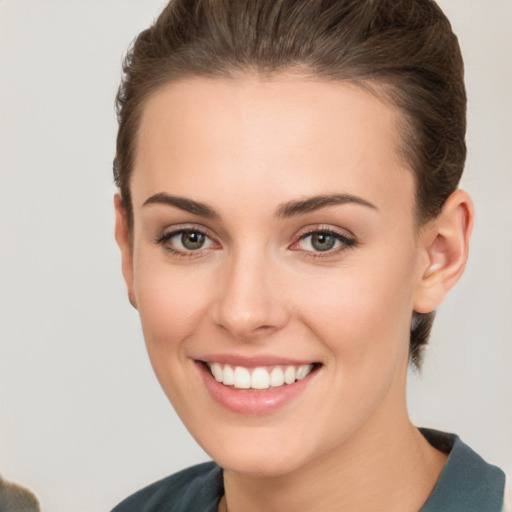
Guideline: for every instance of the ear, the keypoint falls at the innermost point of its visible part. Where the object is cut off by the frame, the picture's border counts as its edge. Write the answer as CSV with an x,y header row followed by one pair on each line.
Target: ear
x,y
446,245
123,240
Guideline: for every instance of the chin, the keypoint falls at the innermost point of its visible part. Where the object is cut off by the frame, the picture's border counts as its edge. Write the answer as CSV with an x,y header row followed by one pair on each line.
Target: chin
x,y
257,451
260,463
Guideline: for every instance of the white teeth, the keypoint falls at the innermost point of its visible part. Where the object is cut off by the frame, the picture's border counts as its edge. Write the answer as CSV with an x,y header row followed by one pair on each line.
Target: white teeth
x,y
289,375
229,376
242,378
216,371
303,371
258,378
276,377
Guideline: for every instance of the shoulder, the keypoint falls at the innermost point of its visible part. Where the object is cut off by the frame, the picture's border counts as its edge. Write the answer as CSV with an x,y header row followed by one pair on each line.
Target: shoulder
x,y
467,483
196,488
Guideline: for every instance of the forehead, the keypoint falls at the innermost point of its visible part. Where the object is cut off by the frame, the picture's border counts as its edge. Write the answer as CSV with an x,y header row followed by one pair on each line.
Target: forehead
x,y
285,136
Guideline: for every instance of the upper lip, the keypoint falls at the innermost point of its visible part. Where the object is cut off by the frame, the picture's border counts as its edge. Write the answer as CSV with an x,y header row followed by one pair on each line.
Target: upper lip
x,y
253,361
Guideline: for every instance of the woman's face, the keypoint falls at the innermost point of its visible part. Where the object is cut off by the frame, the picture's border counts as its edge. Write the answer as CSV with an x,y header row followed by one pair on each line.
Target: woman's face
x,y
274,229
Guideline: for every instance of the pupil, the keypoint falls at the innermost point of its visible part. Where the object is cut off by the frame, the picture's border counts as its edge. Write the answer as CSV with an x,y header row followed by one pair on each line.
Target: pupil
x,y
192,240
323,242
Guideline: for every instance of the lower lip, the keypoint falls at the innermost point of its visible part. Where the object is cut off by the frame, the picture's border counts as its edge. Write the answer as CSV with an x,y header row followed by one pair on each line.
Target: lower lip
x,y
253,402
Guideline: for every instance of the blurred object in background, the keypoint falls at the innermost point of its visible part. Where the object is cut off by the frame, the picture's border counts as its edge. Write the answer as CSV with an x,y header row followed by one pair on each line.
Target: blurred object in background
x,y
14,498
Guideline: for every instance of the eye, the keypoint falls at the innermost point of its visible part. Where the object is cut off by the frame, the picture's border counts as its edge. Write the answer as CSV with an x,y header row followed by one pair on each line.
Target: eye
x,y
191,240
185,242
323,241
320,242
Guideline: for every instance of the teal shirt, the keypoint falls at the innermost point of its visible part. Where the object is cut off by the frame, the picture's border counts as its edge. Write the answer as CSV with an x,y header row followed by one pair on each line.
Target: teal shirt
x,y
467,484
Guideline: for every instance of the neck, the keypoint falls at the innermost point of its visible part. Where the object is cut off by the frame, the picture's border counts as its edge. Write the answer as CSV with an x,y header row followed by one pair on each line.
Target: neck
x,y
391,469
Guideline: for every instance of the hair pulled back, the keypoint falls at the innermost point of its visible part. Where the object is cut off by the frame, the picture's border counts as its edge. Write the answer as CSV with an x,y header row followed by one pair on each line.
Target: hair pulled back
x,y
403,48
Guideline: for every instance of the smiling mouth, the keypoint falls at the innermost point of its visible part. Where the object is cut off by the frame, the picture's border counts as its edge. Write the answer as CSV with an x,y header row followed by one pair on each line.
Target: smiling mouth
x,y
260,378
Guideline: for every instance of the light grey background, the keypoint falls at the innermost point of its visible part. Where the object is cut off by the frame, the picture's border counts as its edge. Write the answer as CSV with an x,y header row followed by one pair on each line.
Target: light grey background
x,y
83,420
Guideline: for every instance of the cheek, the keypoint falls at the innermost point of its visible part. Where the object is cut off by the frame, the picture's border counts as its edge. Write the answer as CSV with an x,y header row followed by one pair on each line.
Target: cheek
x,y
363,312
362,318
171,304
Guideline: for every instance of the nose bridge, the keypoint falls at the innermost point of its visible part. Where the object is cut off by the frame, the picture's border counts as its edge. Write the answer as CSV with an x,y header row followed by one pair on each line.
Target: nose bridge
x,y
248,304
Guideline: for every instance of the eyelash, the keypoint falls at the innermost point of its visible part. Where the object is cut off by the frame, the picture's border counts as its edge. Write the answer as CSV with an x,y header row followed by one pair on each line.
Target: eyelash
x,y
165,237
346,241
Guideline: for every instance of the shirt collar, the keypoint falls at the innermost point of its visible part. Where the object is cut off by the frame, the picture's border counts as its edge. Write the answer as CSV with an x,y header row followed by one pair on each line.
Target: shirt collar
x,y
467,483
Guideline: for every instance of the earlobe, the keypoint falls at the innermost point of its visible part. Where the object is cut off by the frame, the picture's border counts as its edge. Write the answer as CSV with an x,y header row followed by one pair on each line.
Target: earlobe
x,y
122,234
446,245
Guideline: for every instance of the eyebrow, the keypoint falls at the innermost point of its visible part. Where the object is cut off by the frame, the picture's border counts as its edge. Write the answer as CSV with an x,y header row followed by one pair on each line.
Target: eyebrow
x,y
285,210
187,205
311,204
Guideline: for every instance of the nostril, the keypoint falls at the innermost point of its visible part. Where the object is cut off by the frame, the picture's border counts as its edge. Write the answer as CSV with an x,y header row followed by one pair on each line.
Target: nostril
x,y
246,331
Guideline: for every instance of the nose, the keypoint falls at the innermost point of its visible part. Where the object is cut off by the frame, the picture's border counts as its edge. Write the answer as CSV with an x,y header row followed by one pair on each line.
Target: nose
x,y
251,300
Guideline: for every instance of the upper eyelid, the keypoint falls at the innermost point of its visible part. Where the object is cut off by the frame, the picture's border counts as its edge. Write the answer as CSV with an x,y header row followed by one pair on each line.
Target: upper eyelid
x,y
180,228
329,231
321,228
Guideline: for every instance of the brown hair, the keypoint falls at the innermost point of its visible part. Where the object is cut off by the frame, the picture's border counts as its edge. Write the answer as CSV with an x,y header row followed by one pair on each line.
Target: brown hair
x,y
403,48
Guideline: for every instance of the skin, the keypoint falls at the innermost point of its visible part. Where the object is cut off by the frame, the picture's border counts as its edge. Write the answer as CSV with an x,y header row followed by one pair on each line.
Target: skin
x,y
245,147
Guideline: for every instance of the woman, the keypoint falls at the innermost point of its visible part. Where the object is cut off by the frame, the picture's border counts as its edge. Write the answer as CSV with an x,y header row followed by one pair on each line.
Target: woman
x,y
289,220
